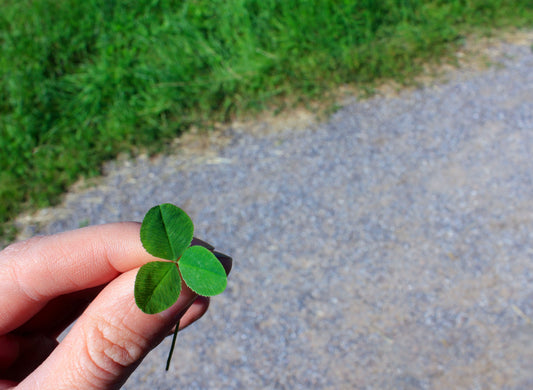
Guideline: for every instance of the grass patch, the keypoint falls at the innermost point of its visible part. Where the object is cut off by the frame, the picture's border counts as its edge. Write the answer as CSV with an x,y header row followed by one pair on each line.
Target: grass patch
x,y
81,81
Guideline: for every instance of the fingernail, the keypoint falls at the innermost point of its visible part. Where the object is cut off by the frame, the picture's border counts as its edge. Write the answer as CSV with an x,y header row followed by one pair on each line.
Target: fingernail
x,y
225,260
197,241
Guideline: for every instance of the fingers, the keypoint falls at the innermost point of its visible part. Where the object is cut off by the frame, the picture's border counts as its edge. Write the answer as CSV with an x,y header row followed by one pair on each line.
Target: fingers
x,y
110,339
48,281
59,313
35,271
193,313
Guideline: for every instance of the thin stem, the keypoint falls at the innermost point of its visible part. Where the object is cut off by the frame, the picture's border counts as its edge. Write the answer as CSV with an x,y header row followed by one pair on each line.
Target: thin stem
x,y
172,346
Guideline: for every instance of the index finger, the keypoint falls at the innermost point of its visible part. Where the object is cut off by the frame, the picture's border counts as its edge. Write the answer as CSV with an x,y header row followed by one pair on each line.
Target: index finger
x,y
37,270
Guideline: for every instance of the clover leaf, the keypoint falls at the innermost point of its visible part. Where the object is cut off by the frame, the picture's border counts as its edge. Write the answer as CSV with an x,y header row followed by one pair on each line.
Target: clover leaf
x,y
167,233
202,271
157,286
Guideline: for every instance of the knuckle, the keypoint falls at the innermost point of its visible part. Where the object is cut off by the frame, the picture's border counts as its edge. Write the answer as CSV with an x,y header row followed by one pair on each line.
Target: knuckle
x,y
14,271
20,248
111,348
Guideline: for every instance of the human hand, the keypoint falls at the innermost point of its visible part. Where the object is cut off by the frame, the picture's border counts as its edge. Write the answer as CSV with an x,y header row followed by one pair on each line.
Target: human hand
x,y
47,282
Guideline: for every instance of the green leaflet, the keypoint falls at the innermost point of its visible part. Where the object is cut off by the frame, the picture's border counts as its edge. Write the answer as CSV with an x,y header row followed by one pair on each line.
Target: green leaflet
x,y
157,286
202,272
166,231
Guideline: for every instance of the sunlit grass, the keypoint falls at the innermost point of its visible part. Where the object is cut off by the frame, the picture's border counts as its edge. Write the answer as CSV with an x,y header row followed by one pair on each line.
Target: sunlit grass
x,y
81,81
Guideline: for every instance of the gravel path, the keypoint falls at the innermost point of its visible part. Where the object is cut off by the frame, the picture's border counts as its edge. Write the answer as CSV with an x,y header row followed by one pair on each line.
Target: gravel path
x,y
389,248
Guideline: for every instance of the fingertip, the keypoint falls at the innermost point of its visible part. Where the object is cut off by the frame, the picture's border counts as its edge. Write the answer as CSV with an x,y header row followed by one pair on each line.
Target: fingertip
x,y
109,340
195,312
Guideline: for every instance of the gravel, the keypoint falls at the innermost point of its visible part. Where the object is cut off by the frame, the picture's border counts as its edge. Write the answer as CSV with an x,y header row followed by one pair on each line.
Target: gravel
x,y
388,248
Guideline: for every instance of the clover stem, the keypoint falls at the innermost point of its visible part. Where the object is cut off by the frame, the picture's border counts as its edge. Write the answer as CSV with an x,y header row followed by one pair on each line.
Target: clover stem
x,y
172,346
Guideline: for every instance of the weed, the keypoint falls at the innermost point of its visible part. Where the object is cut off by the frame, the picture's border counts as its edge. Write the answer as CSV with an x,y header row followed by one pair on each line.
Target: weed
x,y
167,233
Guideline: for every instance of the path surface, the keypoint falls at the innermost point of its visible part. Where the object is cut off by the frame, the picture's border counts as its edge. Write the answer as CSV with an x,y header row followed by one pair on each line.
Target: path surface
x,y
389,248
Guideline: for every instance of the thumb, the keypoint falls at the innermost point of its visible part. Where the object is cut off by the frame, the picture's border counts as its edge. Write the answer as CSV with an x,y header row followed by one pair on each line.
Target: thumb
x,y
110,339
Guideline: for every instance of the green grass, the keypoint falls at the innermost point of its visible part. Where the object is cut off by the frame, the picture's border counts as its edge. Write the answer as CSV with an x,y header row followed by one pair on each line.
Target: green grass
x,y
81,81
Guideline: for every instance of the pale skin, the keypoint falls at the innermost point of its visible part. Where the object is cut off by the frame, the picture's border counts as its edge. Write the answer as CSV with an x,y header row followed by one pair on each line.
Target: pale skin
x,y
47,282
